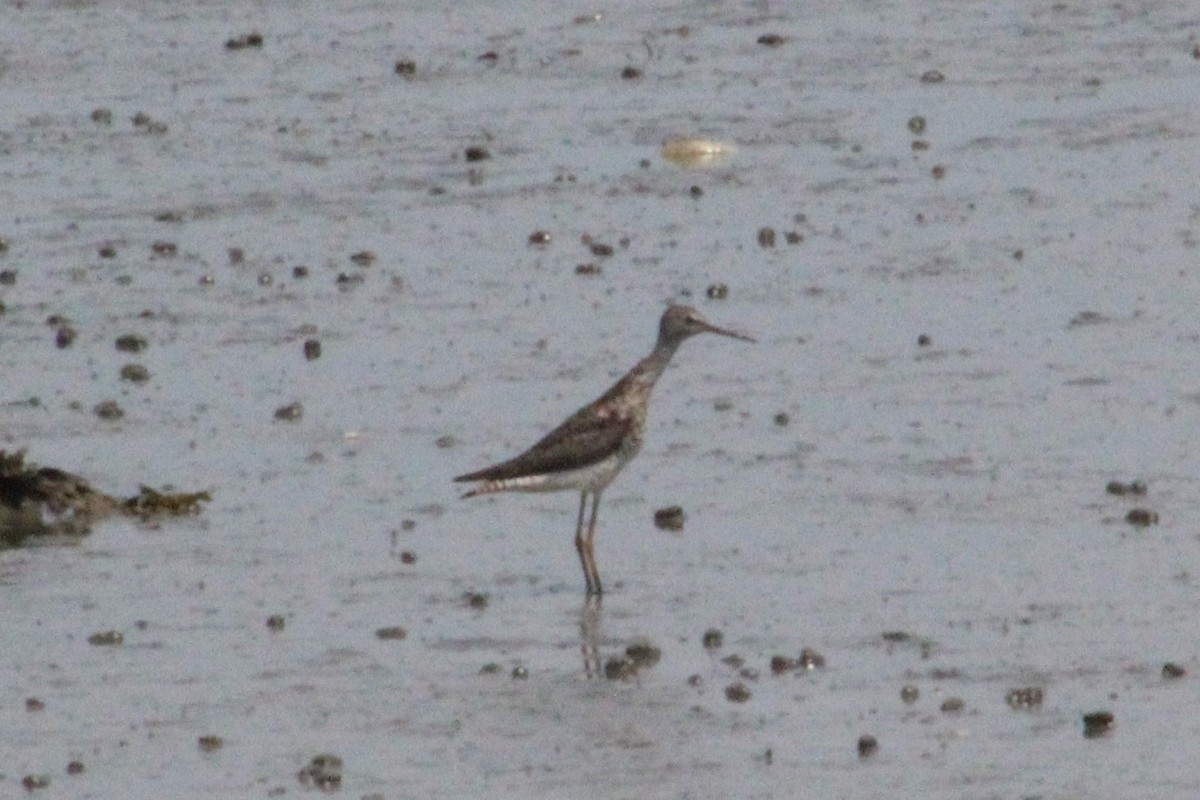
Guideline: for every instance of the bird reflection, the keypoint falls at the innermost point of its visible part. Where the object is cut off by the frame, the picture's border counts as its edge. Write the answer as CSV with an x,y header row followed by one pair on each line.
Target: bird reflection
x,y
591,615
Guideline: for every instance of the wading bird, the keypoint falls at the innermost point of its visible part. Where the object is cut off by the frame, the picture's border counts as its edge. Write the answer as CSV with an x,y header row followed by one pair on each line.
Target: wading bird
x,y
587,451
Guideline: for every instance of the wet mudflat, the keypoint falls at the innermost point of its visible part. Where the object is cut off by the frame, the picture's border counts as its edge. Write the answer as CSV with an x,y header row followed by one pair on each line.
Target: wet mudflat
x,y
318,260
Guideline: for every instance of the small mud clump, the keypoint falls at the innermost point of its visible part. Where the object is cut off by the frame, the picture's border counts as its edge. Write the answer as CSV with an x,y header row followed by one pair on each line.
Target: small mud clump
x,y
1097,724
323,772
135,373
108,409
782,664
290,413
953,705
31,782
1172,671
1141,517
64,337
210,742
867,745
713,639
391,634
643,655
246,41
1024,698
1133,488
131,343
670,518
620,669
810,659
737,692
734,661
106,639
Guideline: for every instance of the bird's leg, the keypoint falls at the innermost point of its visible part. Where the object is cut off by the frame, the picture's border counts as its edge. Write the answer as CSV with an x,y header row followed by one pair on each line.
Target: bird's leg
x,y
591,546
581,545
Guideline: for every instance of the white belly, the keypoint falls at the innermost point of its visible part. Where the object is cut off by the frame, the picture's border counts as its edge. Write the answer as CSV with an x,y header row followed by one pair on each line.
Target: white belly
x,y
591,478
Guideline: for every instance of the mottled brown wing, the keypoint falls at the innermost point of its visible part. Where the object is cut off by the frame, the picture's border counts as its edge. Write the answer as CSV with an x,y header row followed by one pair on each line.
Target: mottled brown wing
x,y
581,441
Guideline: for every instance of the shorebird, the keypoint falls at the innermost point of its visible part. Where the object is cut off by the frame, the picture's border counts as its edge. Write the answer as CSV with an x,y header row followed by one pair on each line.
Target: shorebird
x,y
587,451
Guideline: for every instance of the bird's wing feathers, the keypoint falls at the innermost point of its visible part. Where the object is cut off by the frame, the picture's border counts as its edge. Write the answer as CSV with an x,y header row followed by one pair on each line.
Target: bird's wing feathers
x,y
564,448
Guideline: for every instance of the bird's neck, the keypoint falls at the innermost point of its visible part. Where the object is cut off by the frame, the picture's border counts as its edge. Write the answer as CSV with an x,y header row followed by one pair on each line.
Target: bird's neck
x,y
650,369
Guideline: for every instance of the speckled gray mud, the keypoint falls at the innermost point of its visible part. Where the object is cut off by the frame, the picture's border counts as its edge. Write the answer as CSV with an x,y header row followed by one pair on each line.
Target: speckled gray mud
x,y
1040,232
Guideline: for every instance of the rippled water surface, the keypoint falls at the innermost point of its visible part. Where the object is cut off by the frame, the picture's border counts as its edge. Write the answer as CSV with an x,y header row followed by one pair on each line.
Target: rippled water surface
x,y
1016,184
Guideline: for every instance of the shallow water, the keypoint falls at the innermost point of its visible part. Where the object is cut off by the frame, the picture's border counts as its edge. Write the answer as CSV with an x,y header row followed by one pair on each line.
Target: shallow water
x,y
953,491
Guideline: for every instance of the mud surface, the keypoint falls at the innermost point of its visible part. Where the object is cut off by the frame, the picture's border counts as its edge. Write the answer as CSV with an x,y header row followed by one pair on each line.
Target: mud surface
x,y
964,236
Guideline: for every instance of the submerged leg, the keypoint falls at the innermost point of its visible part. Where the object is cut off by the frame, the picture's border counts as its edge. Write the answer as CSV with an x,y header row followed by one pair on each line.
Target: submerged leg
x,y
581,545
589,636
594,581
